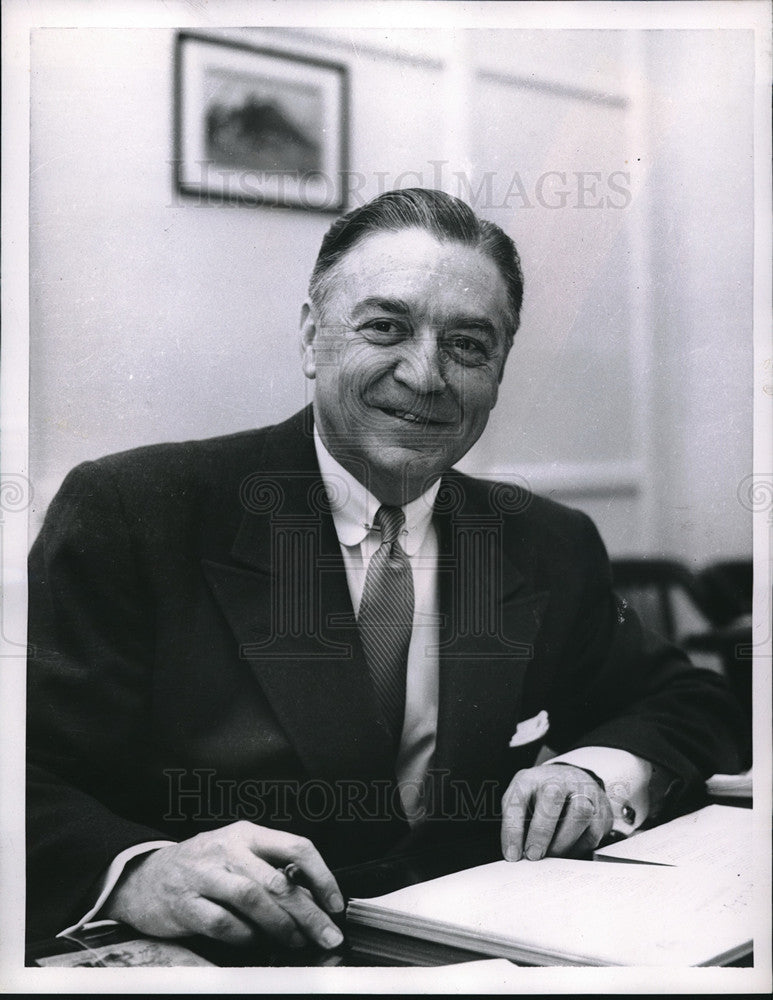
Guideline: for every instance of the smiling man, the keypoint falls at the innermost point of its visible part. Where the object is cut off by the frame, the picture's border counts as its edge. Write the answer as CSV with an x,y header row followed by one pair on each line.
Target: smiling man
x,y
305,646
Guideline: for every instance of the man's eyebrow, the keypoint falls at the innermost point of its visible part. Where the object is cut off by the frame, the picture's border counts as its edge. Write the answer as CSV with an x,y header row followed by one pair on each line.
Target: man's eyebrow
x,y
397,306
465,321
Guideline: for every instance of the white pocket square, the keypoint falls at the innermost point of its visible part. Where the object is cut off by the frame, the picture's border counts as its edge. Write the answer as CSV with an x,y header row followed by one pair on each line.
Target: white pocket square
x,y
530,730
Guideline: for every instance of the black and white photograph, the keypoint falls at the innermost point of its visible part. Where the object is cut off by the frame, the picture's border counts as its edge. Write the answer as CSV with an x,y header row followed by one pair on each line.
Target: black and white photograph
x,y
386,511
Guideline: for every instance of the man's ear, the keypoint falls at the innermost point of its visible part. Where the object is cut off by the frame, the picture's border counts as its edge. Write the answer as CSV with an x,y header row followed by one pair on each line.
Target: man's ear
x,y
504,360
308,340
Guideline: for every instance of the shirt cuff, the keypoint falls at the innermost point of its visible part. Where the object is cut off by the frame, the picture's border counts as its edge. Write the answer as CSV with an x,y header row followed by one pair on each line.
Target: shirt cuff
x,y
626,779
110,878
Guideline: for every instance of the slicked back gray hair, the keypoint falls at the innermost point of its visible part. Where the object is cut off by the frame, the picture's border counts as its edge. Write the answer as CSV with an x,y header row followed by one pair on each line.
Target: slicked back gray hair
x,y
445,217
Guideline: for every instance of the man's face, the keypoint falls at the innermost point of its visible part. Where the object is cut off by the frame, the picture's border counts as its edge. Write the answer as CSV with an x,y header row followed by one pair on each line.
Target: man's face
x,y
407,355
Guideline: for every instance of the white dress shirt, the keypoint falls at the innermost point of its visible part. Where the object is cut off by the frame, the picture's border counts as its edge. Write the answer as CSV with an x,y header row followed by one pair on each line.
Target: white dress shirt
x,y
354,509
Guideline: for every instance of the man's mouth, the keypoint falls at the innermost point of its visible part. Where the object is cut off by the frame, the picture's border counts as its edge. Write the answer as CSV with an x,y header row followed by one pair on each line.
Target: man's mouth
x,y
411,417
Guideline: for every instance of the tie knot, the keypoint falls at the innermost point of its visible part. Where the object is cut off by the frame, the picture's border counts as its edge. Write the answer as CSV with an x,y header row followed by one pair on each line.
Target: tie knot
x,y
390,520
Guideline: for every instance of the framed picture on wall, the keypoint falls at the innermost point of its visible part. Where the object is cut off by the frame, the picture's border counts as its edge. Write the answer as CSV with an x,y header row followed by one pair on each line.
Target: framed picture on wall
x,y
259,126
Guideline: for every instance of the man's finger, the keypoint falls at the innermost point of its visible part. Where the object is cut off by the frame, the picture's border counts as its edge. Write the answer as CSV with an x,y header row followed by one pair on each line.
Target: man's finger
x,y
579,810
265,895
252,901
313,922
315,874
599,827
589,840
515,809
204,916
548,805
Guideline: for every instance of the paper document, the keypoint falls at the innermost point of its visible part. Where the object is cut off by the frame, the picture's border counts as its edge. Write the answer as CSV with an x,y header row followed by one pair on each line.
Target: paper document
x,y
718,836
559,911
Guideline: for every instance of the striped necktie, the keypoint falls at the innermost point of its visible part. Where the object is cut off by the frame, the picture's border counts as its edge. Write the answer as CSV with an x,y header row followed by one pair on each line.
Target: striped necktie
x,y
385,618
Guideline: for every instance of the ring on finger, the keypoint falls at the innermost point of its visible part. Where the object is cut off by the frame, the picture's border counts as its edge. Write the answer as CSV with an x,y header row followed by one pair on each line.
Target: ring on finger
x,y
582,795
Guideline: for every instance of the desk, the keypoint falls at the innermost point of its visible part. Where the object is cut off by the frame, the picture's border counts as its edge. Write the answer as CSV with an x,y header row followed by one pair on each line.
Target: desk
x,y
92,947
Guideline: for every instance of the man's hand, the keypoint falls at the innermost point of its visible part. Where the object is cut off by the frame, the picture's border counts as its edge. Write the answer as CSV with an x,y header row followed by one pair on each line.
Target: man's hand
x,y
555,809
225,884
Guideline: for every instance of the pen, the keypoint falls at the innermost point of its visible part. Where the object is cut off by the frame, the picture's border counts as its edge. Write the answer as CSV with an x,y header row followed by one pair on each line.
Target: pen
x,y
295,874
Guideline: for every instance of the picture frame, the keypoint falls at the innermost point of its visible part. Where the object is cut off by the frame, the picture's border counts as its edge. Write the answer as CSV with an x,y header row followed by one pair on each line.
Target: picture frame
x,y
259,126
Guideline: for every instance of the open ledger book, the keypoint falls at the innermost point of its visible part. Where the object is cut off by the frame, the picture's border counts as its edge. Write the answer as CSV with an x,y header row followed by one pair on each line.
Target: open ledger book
x,y
563,912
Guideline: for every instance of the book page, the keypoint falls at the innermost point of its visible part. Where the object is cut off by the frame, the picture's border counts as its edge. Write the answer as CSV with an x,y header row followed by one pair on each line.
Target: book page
x,y
574,912
717,836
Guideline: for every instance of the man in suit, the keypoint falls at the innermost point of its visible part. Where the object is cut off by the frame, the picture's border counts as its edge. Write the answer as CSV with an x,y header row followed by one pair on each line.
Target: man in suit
x,y
314,643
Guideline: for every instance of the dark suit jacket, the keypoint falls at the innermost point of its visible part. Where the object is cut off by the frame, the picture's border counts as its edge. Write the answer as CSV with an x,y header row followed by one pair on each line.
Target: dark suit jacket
x,y
196,661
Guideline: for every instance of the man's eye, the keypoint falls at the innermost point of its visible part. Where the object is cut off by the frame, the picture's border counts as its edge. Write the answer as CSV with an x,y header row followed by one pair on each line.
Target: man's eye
x,y
467,349
384,327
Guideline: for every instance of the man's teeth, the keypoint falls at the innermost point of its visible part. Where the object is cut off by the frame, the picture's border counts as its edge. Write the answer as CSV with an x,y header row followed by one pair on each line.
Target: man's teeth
x,y
404,415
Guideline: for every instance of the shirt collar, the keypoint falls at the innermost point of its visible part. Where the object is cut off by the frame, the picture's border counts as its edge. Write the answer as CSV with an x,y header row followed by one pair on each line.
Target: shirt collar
x,y
354,507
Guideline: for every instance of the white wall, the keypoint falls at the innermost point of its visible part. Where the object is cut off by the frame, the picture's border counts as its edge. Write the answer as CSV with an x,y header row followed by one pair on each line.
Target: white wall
x,y
155,318
151,318
701,224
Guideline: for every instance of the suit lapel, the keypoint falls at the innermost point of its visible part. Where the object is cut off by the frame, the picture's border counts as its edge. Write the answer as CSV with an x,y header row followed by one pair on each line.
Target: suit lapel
x,y
490,615
287,601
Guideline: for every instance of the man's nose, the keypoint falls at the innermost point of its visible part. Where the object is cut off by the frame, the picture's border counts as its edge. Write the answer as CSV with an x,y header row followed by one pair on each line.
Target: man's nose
x,y
420,365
